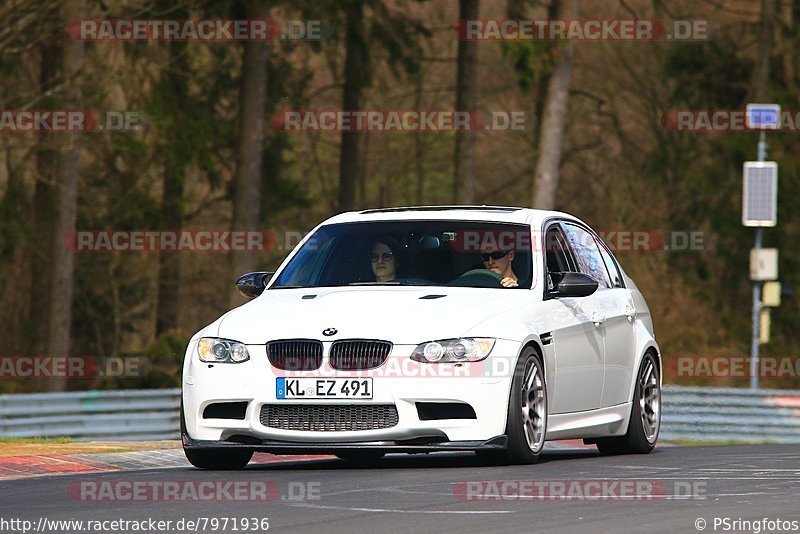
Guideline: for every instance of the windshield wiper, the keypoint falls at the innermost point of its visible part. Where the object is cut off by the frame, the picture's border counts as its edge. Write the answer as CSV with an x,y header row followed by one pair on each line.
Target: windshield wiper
x,y
389,283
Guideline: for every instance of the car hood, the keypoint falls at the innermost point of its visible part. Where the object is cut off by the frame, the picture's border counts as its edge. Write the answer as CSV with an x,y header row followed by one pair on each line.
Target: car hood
x,y
397,314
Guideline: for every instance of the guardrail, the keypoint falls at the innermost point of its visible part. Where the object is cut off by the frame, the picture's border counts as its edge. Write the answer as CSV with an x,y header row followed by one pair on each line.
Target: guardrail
x,y
689,413
730,414
145,414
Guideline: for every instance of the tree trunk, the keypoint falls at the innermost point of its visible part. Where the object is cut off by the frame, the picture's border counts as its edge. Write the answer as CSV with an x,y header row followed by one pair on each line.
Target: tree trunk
x,y
61,291
42,217
551,139
247,187
466,99
354,74
765,43
792,55
169,267
419,147
540,92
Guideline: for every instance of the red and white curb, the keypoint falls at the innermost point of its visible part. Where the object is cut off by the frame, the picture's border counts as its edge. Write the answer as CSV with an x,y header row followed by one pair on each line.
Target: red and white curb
x,y
15,467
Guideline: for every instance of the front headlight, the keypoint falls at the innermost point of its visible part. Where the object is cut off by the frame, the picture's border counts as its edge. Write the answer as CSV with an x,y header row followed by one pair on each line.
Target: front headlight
x,y
215,350
465,349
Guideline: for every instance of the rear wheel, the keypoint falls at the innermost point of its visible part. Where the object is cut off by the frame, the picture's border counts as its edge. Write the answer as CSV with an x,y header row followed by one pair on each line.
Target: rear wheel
x,y
645,420
526,422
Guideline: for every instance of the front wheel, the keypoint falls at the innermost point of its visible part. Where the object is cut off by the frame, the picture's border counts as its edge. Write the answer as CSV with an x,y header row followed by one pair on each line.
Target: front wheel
x,y
526,422
218,459
645,421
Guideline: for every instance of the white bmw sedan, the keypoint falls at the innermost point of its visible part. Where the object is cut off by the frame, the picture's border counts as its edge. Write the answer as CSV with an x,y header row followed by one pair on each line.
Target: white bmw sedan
x,y
486,329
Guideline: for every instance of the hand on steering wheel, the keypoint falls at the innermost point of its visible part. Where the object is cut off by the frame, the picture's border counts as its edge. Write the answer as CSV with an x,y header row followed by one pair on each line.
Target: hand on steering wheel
x,y
509,282
503,281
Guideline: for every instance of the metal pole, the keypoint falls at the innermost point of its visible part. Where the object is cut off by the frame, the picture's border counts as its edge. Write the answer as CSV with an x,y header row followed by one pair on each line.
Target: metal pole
x,y
754,347
756,311
762,146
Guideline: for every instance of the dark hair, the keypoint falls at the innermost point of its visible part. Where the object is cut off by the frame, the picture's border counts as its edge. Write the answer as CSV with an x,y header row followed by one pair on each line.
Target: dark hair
x,y
394,246
390,242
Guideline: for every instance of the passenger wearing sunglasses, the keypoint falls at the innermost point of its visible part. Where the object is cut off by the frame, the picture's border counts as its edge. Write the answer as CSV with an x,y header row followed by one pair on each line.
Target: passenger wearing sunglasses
x,y
500,262
384,262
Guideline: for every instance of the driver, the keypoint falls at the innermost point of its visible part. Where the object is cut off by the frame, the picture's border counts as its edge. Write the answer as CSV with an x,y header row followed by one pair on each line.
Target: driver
x,y
499,261
384,260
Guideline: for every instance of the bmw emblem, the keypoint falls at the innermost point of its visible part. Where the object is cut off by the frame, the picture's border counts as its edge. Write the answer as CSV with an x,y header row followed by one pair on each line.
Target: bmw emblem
x,y
329,332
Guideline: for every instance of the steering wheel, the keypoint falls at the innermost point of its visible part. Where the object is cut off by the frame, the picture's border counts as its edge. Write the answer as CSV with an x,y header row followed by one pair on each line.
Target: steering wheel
x,y
479,278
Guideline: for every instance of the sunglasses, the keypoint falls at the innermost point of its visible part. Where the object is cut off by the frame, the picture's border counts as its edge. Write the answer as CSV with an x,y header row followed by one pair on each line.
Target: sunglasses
x,y
386,257
494,255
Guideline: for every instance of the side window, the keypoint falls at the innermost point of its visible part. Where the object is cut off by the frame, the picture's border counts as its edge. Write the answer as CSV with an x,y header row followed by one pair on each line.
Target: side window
x,y
587,254
611,265
557,254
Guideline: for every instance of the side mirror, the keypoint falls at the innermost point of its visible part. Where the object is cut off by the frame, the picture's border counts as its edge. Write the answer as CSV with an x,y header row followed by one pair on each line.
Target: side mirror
x,y
573,285
251,285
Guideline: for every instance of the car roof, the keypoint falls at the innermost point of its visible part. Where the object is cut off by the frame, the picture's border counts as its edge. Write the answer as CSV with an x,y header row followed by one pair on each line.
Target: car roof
x,y
500,214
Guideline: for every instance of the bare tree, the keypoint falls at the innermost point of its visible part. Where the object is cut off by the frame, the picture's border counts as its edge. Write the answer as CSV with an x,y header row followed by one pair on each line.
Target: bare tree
x,y
247,186
66,194
41,222
169,268
466,99
551,139
766,39
354,75
419,145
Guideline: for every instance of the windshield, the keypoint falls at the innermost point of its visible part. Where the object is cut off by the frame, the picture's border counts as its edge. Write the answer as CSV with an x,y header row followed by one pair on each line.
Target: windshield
x,y
427,253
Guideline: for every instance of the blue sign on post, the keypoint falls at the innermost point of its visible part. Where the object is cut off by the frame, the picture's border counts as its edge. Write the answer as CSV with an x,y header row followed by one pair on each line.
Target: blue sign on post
x,y
763,116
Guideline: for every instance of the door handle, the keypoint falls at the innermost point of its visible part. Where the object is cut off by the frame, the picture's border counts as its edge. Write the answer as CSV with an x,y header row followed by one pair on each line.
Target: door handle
x,y
630,312
598,319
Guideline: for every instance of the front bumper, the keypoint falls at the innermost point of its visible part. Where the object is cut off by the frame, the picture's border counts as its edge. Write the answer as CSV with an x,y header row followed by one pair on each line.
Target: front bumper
x,y
484,387
420,445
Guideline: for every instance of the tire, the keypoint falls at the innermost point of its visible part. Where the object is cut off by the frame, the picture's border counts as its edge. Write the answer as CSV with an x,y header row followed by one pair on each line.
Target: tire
x,y
645,420
360,455
526,422
218,459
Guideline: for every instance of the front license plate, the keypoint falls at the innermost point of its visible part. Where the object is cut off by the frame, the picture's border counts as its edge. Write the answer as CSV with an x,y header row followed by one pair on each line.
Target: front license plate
x,y
323,388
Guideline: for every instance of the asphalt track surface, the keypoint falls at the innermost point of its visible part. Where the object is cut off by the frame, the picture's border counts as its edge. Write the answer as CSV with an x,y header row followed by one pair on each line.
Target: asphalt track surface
x,y
422,493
